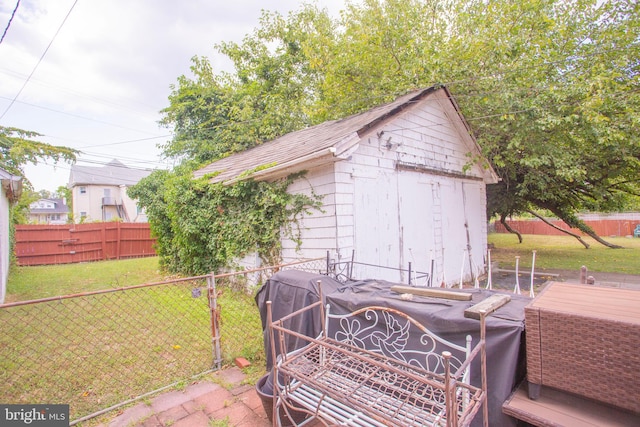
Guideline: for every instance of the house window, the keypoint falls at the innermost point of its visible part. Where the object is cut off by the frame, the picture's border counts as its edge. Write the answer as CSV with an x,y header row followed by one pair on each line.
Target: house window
x,y
83,190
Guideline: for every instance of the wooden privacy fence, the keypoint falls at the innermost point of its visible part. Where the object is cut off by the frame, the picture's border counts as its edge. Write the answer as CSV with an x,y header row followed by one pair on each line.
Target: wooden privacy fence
x,y
602,227
70,243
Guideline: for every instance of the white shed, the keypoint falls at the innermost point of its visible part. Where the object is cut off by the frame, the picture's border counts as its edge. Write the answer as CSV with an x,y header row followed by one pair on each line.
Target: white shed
x,y
403,182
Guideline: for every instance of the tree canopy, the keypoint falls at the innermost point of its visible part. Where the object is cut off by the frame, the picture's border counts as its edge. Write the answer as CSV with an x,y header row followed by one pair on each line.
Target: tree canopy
x,y
18,147
549,87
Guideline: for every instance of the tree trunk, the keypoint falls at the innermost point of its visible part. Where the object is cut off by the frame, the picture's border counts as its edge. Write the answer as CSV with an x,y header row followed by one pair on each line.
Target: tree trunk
x,y
575,222
585,244
600,240
503,221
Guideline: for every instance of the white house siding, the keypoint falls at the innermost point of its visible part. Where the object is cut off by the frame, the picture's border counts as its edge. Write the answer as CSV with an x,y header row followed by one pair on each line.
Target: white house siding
x,y
91,203
4,244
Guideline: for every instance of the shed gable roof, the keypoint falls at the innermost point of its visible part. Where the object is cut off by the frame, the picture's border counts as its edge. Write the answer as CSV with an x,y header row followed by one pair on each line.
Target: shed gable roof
x,y
324,141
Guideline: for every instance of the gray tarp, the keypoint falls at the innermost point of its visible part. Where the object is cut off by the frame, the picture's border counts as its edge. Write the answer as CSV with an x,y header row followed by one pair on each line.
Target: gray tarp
x,y
505,327
291,290
288,291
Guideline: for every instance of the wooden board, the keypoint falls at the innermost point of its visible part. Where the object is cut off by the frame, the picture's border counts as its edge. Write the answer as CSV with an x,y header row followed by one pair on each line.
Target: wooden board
x,y
555,408
488,305
432,292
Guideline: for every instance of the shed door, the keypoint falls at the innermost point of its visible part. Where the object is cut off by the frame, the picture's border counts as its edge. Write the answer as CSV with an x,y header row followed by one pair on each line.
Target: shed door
x,y
416,213
376,227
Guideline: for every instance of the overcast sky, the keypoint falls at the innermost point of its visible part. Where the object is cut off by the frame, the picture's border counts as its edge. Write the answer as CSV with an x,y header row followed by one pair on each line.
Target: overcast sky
x,y
107,73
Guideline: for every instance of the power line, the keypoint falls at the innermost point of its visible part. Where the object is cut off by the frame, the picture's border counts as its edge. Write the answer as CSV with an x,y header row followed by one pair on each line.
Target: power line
x,y
10,19
112,103
125,142
74,115
39,61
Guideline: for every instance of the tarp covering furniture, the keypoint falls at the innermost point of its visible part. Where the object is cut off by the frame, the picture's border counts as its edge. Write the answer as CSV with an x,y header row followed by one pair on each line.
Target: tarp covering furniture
x,y
504,328
291,290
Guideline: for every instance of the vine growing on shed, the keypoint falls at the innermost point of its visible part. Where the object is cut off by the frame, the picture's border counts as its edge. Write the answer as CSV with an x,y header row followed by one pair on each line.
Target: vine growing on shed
x,y
202,227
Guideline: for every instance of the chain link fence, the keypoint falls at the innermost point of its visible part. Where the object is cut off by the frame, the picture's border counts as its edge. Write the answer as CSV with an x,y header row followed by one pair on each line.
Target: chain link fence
x,y
96,350
239,320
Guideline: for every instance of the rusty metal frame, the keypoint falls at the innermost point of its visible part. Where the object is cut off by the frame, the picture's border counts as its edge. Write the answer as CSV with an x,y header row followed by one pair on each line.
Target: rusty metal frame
x,y
338,382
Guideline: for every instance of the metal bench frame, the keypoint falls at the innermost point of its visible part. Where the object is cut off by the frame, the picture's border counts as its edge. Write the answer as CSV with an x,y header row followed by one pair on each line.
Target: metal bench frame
x,y
363,370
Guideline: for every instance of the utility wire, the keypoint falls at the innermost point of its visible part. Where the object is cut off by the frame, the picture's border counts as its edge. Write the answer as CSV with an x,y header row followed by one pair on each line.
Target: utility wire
x,y
112,103
75,115
10,19
39,61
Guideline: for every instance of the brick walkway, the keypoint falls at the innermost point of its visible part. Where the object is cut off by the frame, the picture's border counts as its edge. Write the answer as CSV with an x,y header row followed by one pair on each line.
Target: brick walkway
x,y
198,404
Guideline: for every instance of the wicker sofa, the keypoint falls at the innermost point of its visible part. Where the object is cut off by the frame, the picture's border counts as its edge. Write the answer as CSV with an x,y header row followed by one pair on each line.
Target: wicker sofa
x,y
585,340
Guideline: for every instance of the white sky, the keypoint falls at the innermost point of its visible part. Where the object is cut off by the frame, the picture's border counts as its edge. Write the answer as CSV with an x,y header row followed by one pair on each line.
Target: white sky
x,y
107,73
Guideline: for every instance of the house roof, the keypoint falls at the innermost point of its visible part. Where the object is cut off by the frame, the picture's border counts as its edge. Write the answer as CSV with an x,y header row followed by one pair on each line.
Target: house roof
x,y
323,142
113,173
59,207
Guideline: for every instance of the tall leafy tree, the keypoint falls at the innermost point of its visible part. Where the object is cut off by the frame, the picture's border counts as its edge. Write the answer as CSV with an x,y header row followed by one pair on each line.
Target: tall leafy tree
x,y
18,147
550,88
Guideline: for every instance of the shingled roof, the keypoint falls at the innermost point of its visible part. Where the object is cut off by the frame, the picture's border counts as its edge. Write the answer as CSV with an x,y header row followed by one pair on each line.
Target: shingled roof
x,y
113,173
324,141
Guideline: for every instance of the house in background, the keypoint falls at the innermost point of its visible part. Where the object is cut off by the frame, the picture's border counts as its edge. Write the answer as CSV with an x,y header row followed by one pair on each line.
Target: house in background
x,y
403,182
49,211
100,192
10,190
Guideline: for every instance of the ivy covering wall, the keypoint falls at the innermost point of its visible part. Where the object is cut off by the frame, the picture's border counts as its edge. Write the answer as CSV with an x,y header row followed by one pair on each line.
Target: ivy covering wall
x,y
202,227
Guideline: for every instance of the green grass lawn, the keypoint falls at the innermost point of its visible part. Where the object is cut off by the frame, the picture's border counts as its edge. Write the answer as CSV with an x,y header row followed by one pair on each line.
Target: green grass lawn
x,y
95,351
35,282
566,253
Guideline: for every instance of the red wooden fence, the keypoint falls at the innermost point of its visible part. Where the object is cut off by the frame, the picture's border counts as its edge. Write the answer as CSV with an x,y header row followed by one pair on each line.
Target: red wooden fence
x,y
602,227
65,244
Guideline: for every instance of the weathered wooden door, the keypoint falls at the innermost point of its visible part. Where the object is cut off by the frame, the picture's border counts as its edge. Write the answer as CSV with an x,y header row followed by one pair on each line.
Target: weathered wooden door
x,y
417,225
376,226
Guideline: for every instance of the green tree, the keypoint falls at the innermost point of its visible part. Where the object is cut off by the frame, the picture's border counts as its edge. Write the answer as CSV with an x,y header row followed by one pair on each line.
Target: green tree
x,y
549,87
272,92
64,192
17,148
202,227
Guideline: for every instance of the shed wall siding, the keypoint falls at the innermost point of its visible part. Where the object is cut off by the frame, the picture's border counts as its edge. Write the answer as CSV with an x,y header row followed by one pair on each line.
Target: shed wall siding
x,y
390,216
317,230
407,217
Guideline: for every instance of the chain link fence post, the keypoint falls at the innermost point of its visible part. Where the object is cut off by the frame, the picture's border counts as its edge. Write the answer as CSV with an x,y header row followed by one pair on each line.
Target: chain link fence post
x,y
215,321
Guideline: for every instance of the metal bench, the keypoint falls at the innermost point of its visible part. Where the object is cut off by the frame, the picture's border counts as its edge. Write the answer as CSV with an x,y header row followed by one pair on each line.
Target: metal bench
x,y
376,366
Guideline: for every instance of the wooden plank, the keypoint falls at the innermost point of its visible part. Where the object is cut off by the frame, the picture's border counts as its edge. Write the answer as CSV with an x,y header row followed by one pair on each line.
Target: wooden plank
x,y
488,305
555,408
433,293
